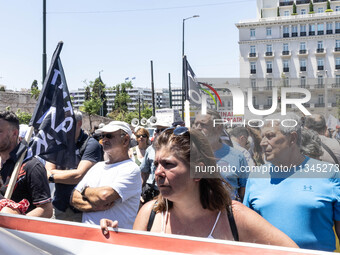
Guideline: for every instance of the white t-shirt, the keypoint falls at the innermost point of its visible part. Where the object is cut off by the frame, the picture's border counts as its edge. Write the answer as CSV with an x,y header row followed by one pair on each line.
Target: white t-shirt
x,y
125,178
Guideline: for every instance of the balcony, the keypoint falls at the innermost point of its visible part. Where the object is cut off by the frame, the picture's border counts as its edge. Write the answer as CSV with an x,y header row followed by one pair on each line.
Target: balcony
x,y
303,69
269,70
336,50
286,3
319,1
302,53
337,67
320,32
286,69
320,68
285,34
320,105
329,31
336,85
311,33
303,33
253,71
319,86
269,88
337,30
302,1
269,54
252,55
286,54
320,51
306,105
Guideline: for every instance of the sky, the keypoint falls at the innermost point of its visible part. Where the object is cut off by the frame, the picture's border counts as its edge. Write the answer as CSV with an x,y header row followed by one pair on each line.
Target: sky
x,y
119,38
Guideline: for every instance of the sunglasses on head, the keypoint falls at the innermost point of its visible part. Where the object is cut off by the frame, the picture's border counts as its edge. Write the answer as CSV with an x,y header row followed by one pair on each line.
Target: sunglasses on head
x,y
159,130
179,130
139,136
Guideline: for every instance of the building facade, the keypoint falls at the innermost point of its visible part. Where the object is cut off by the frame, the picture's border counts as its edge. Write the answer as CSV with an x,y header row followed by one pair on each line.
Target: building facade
x,y
293,44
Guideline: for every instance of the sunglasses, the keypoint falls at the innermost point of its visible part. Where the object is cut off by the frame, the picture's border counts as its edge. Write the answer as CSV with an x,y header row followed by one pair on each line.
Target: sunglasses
x,y
179,130
159,130
139,136
109,136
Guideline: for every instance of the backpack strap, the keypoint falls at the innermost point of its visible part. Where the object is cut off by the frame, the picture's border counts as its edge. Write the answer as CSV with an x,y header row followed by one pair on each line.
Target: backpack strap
x,y
232,223
152,217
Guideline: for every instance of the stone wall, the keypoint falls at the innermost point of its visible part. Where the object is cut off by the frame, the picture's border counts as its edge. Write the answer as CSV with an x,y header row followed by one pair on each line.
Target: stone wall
x,y
17,100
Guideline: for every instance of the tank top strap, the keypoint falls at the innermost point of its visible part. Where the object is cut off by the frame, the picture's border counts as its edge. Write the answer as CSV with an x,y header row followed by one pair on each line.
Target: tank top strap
x,y
213,228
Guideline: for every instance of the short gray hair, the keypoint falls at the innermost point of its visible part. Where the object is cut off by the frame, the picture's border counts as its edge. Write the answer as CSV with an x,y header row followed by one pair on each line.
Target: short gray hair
x,y
78,115
290,118
316,122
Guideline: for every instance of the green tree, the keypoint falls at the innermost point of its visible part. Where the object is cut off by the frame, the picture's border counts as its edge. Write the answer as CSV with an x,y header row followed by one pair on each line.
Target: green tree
x,y
311,7
2,88
294,8
122,98
328,5
278,11
35,92
24,117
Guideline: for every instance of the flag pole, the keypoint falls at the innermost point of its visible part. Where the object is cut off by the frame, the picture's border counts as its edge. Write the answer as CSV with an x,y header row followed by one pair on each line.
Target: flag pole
x,y
15,173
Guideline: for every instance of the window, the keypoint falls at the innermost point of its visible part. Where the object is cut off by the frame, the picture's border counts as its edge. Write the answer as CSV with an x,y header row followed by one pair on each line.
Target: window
x,y
337,80
320,99
252,50
320,62
320,81
303,11
294,29
285,64
286,82
303,81
254,100
337,25
337,63
303,28
303,63
269,64
320,10
269,101
329,26
269,48
337,43
285,47
269,83
252,67
320,29
311,29
286,30
253,83
269,31
252,32
337,8
302,45
320,44
286,13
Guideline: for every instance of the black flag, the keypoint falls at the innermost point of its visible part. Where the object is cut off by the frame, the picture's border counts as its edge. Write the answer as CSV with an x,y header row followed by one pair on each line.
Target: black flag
x,y
54,119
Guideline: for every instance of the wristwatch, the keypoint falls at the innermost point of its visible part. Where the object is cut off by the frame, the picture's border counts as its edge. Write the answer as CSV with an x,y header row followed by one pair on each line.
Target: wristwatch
x,y
51,178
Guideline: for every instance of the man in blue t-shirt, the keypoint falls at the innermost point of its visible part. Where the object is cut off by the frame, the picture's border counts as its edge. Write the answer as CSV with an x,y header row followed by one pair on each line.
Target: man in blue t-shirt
x,y
297,194
88,153
231,163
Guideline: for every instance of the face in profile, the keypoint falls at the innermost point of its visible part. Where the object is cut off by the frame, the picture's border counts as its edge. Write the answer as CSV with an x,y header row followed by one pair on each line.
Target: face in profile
x,y
7,134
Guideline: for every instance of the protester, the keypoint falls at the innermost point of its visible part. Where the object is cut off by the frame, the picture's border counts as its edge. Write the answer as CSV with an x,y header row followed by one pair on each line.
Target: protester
x,y
297,194
111,189
137,153
255,149
32,181
331,147
239,137
88,153
228,158
310,144
197,205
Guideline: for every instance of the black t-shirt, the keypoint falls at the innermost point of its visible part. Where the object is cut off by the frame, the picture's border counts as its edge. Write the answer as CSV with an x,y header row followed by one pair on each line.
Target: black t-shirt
x,y
32,182
94,153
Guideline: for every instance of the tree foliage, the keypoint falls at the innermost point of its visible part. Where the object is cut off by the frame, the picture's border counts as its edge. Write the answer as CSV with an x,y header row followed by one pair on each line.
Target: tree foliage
x,y
24,117
35,92
122,98
95,98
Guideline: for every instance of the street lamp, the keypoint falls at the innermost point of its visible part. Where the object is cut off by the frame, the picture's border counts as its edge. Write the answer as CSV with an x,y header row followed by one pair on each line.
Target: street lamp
x,y
183,74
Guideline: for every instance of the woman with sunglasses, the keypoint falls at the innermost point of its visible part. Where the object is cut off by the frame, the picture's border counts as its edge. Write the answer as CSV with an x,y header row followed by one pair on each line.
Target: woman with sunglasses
x,y
197,204
137,153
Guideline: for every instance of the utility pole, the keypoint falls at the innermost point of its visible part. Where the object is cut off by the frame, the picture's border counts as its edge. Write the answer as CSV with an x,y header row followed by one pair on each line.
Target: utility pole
x,y
170,92
44,56
153,91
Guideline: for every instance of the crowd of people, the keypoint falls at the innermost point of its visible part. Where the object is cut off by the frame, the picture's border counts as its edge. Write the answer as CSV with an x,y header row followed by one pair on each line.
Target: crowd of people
x,y
276,184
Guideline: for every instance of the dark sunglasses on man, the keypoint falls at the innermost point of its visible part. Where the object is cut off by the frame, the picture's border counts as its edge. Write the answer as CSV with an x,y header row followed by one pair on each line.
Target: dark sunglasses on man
x,y
139,136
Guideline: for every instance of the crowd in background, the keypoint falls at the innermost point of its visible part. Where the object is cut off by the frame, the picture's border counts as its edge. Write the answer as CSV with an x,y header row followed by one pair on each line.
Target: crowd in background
x,y
281,186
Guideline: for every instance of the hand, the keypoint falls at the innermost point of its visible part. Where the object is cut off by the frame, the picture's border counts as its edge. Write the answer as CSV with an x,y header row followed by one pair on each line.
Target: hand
x,y
105,224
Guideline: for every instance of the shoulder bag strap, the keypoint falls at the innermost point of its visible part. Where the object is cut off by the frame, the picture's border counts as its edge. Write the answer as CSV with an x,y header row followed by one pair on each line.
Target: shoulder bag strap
x,y
330,153
151,218
232,223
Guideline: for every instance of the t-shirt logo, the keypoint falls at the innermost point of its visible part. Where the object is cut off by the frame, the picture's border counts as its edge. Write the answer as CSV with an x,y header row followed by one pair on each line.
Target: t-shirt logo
x,y
307,188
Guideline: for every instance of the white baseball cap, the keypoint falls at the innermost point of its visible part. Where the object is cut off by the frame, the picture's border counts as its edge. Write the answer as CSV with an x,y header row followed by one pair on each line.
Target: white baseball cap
x,y
114,126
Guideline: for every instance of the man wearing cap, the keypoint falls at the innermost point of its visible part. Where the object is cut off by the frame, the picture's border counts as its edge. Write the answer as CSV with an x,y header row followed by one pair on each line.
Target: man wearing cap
x,y
111,189
88,153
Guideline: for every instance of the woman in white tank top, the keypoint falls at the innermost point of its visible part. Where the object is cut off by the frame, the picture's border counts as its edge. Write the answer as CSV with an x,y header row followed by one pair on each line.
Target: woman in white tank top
x,y
197,204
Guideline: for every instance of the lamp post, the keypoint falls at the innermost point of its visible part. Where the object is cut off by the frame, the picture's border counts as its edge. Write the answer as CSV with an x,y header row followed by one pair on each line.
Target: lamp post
x,y
183,74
